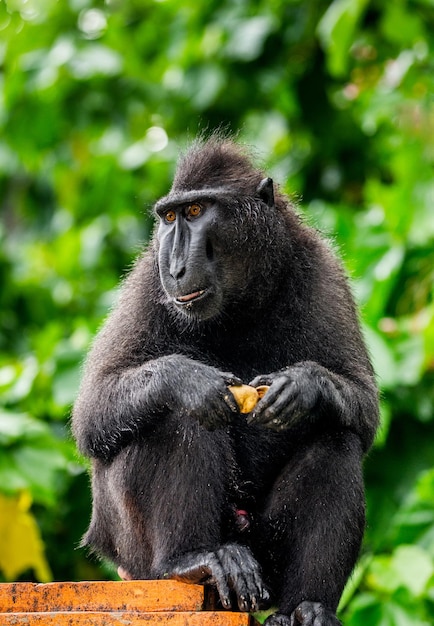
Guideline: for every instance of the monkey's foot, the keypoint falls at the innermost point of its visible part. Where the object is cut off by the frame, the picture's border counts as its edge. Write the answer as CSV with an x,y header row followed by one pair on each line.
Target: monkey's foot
x,y
231,569
306,614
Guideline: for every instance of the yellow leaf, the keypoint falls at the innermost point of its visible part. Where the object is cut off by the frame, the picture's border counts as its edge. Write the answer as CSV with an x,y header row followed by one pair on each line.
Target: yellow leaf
x,y
21,546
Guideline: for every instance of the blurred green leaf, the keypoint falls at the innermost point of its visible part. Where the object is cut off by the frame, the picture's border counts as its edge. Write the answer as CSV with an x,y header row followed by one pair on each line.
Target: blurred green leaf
x,y
401,25
248,37
30,456
382,357
93,60
336,32
409,567
414,568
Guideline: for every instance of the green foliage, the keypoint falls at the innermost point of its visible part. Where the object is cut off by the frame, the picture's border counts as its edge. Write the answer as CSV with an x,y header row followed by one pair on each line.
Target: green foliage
x,y
30,457
95,101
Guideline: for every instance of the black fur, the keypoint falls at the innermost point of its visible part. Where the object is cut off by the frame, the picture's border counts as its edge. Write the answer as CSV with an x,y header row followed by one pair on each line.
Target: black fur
x,y
242,291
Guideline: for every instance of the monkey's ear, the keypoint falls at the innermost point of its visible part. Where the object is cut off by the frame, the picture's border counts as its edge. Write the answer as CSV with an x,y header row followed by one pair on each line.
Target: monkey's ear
x,y
266,192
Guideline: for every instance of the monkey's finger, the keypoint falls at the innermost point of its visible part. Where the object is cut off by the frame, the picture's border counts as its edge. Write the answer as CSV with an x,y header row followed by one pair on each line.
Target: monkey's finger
x,y
230,402
258,381
230,379
237,582
295,401
241,584
288,417
277,416
249,592
285,404
218,578
223,403
203,568
264,407
201,573
258,595
241,574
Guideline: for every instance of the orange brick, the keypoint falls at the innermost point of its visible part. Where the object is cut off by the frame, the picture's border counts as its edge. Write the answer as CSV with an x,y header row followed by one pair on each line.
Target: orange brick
x,y
162,618
147,595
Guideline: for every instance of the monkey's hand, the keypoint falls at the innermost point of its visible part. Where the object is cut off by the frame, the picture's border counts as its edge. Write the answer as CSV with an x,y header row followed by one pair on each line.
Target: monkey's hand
x,y
231,569
293,394
200,391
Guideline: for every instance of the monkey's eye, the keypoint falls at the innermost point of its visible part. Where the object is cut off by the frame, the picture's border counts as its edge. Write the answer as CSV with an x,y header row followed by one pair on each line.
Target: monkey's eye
x,y
194,210
170,216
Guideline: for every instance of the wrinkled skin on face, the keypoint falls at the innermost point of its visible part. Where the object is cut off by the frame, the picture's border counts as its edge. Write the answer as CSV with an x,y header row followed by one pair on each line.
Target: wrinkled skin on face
x,y
199,271
187,258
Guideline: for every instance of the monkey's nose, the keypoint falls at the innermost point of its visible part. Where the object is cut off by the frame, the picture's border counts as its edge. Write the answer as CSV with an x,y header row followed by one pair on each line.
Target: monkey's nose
x,y
177,268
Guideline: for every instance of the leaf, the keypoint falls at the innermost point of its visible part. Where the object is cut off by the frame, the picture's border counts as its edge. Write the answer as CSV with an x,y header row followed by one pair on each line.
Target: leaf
x,y
65,386
249,36
385,421
409,567
401,25
204,85
382,358
414,568
336,32
21,546
381,576
39,464
410,356
354,581
365,609
11,478
95,59
15,426
390,263
394,614
30,456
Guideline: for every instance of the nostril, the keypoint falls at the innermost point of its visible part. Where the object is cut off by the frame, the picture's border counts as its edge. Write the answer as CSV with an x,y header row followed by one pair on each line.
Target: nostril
x,y
209,251
178,274
177,270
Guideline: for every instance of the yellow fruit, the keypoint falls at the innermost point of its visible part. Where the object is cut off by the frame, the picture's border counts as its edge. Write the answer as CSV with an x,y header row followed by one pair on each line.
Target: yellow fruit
x,y
246,396
262,390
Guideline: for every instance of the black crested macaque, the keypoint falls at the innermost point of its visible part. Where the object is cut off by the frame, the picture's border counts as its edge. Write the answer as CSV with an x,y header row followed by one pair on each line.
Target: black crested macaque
x,y
268,507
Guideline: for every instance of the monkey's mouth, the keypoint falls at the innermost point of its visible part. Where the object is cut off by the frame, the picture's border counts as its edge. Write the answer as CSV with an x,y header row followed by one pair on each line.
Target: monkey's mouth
x,y
200,305
190,297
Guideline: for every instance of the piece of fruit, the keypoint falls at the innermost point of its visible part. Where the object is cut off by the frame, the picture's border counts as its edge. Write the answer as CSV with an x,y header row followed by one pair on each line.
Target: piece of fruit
x,y
246,396
262,390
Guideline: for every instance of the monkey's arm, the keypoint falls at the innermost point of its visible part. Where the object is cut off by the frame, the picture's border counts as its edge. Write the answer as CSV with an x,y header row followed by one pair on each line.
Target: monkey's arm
x,y
308,390
119,406
329,379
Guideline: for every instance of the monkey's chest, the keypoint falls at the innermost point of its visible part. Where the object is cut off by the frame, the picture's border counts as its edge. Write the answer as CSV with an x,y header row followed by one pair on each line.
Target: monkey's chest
x,y
253,356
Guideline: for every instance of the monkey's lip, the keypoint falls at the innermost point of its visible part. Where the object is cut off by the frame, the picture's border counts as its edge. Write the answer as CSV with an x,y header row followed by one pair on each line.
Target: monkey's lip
x,y
189,297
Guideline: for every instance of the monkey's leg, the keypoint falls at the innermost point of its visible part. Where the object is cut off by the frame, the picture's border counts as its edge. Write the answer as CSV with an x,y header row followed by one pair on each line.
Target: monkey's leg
x,y
173,492
313,525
